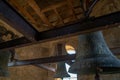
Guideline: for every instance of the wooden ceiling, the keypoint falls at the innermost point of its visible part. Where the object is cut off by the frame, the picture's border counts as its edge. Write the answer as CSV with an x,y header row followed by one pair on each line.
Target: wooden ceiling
x,y
45,14
48,14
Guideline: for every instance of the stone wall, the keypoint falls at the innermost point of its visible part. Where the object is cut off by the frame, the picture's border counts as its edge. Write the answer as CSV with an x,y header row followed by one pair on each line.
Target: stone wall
x,y
31,72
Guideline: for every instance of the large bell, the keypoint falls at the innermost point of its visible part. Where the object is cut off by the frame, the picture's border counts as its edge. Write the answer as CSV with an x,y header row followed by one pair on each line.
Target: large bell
x,y
61,71
5,55
94,56
4,58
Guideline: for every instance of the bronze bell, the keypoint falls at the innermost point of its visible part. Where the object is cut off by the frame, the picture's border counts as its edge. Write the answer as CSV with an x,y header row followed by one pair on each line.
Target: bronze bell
x,y
61,71
94,55
5,55
4,58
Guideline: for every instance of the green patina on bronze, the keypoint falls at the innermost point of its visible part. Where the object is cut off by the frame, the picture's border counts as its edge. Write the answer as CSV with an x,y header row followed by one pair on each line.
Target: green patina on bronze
x,y
61,71
94,55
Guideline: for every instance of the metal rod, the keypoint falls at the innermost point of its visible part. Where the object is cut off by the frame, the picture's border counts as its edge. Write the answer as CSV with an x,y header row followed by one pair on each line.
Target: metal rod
x,y
91,8
97,76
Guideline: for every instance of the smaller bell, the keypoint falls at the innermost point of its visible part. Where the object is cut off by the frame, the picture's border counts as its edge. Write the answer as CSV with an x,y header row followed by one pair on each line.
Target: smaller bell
x,y
4,59
61,71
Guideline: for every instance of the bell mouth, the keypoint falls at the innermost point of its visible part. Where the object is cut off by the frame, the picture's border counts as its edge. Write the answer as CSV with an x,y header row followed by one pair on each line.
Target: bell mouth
x,y
61,75
93,69
109,70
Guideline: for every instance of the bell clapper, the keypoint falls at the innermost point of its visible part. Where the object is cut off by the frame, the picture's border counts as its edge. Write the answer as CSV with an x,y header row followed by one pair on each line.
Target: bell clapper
x,y
97,76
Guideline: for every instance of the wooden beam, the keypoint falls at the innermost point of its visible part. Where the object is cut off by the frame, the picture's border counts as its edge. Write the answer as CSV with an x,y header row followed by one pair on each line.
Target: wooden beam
x,y
93,24
15,20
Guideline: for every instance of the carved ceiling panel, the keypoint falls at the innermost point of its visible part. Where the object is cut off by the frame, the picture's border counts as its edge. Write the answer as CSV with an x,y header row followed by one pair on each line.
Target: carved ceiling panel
x,y
45,14
8,33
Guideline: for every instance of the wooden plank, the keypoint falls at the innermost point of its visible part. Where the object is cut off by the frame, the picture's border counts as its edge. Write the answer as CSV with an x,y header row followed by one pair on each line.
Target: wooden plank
x,y
58,16
15,20
22,10
37,9
51,7
95,24
72,8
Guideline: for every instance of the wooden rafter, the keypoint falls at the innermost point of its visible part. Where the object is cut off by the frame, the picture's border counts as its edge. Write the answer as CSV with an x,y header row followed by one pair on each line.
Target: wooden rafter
x,y
72,8
54,6
22,10
37,9
58,15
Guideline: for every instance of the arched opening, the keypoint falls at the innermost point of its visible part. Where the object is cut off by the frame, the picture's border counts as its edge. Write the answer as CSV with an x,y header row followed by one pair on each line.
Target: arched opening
x,y
70,49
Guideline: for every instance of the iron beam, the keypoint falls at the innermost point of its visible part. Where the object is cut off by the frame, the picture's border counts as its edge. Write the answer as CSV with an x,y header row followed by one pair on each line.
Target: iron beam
x,y
16,21
116,51
14,43
82,27
42,60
